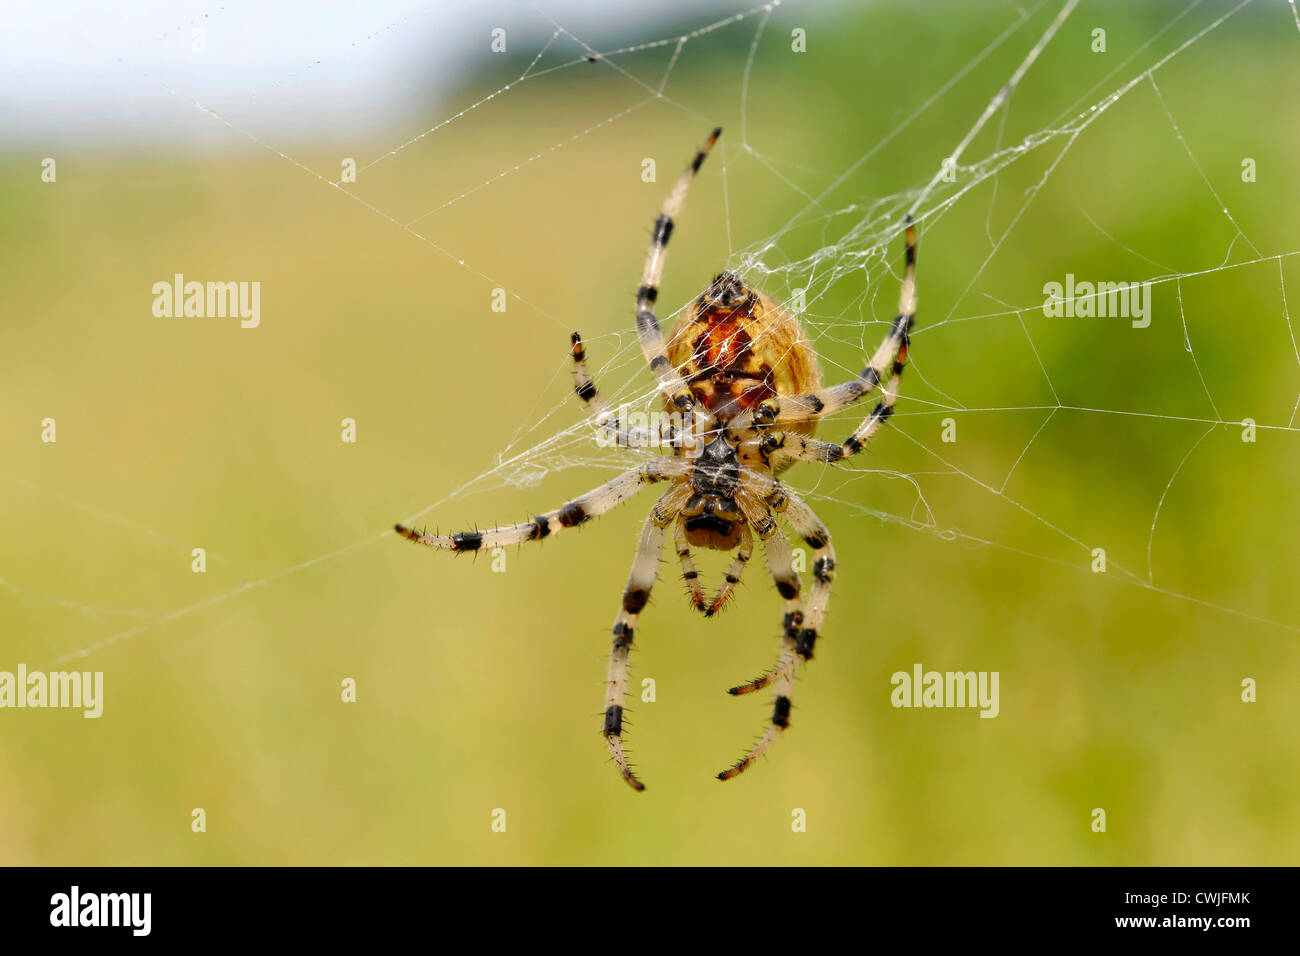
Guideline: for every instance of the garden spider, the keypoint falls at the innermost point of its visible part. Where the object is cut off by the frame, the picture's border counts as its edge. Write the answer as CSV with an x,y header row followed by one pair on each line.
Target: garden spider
x,y
740,373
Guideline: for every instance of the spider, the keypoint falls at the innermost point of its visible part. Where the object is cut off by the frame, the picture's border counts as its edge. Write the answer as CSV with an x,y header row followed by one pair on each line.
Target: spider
x,y
740,373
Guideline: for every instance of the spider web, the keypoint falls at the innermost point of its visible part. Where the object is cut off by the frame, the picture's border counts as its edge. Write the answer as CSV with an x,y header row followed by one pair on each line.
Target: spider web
x,y
983,354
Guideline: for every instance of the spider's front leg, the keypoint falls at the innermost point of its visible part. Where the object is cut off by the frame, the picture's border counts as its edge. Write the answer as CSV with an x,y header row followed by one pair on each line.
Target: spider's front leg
x,y
800,635
780,564
642,436
645,570
691,576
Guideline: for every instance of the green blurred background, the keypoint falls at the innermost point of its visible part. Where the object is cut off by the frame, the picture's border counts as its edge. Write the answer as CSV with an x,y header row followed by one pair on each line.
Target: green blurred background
x,y
481,690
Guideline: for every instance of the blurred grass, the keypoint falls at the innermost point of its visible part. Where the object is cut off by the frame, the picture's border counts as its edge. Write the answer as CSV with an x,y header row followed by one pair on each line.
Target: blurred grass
x,y
481,690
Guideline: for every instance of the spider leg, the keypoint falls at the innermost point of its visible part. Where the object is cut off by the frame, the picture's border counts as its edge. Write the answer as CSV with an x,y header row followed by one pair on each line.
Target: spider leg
x,y
578,511
732,578
648,331
582,383
890,355
643,436
800,448
805,522
645,570
692,577
780,563
689,574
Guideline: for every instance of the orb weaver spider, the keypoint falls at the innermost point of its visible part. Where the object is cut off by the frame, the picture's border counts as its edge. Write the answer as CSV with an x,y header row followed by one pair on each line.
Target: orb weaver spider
x,y
739,371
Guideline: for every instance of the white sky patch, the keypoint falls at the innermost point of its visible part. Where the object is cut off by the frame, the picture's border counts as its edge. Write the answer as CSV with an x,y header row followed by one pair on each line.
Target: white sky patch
x,y
79,71
371,62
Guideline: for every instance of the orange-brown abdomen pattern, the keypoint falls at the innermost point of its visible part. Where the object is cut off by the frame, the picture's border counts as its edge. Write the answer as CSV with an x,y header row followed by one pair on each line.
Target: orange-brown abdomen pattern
x,y
736,347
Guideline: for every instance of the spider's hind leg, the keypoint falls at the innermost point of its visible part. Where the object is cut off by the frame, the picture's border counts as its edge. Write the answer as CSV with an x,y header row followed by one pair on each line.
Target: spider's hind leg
x,y
732,577
780,563
645,570
798,640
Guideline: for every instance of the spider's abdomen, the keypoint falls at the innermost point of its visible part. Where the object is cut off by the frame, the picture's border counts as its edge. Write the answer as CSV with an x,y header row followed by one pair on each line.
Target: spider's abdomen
x,y
736,347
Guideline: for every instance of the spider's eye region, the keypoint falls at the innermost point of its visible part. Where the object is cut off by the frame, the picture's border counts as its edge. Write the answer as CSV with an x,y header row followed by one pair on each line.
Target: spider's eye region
x,y
726,291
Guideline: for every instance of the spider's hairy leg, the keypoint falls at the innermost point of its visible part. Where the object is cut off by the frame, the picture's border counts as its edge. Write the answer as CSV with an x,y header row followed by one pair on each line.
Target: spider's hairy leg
x,y
780,563
645,570
578,511
800,448
890,357
732,577
582,383
902,328
689,574
811,449
805,523
641,436
648,330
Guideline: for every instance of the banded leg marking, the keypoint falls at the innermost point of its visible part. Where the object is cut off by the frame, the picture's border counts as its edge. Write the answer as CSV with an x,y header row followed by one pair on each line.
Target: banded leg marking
x,y
808,526
890,357
645,569
780,563
582,382
648,330
734,573
578,511
689,573
642,436
805,523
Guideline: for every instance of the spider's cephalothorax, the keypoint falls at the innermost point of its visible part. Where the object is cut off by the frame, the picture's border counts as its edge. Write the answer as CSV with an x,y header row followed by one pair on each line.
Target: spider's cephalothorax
x,y
740,370
712,518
